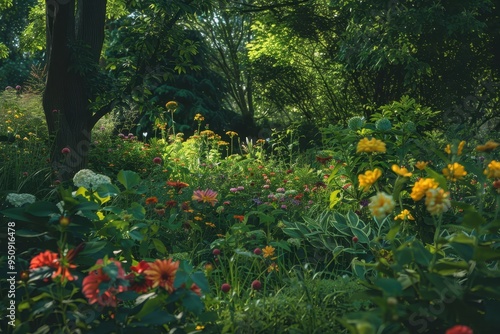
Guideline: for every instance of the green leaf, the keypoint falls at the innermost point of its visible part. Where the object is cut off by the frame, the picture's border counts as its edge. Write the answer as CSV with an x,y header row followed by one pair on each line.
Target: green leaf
x,y
360,234
334,198
390,286
29,233
42,209
137,210
106,189
17,214
192,302
128,179
201,281
159,246
136,235
93,247
156,316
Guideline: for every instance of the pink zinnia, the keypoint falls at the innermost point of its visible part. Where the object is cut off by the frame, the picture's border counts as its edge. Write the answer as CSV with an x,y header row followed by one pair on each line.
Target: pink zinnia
x,y
205,196
90,285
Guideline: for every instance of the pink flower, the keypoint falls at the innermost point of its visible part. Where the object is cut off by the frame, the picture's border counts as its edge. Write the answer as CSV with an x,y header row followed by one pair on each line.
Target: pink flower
x,y
205,196
65,150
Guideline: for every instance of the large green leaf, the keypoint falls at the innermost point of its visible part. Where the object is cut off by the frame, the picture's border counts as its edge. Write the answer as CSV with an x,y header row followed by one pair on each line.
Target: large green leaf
x,y
128,179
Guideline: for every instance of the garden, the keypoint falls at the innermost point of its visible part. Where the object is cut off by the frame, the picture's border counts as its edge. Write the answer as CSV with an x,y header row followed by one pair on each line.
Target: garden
x,y
161,215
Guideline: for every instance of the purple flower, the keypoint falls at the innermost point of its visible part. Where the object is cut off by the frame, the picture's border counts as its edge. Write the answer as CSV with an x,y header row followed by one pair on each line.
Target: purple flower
x,y
233,190
364,202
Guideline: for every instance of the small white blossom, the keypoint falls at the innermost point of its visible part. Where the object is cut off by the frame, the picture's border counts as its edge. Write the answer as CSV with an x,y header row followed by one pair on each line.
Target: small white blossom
x,y
19,200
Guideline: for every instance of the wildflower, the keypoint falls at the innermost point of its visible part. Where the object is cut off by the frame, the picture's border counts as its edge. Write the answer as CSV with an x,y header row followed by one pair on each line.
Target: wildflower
x,y
162,273
459,329
405,214
19,200
257,251
209,224
171,204
323,160
231,134
355,239
138,281
256,285
239,217
177,185
205,196
268,251
272,267
47,258
225,287
421,165
171,105
157,160
461,146
280,190
402,171
421,186
66,150
371,146
454,172
447,149
488,147
199,118
216,252
99,278
369,178
64,265
437,201
151,200
493,170
196,289
381,205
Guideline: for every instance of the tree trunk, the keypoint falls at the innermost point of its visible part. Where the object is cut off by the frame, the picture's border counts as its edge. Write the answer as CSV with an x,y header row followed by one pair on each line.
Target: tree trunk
x,y
74,41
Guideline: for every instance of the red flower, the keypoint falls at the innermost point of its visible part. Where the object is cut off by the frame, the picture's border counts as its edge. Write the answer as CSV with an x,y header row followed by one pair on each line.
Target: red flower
x,y
157,160
256,285
225,287
65,150
137,278
171,204
196,289
91,283
46,258
460,329
324,160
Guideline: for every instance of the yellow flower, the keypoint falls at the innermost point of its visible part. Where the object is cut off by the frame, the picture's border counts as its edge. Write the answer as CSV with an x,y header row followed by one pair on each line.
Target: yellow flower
x,y
421,186
171,105
447,149
371,146
454,172
381,205
421,165
231,134
460,147
268,251
403,171
273,267
493,170
437,201
405,214
369,178
199,117
488,147
222,143
207,133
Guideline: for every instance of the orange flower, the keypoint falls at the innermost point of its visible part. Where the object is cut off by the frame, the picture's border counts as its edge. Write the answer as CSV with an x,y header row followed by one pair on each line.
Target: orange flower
x,y
162,273
488,147
196,289
177,185
43,259
402,171
239,217
91,283
205,196
421,164
151,200
268,251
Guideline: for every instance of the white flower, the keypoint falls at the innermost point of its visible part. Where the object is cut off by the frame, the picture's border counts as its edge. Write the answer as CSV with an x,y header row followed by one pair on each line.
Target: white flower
x,y
19,200
90,180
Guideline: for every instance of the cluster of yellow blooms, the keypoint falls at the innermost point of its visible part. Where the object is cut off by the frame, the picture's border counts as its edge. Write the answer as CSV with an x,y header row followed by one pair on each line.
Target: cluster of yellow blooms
x,y
369,178
371,146
454,172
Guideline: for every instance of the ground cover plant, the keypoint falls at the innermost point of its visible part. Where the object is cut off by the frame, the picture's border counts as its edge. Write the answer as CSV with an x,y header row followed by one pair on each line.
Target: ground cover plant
x,y
387,227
